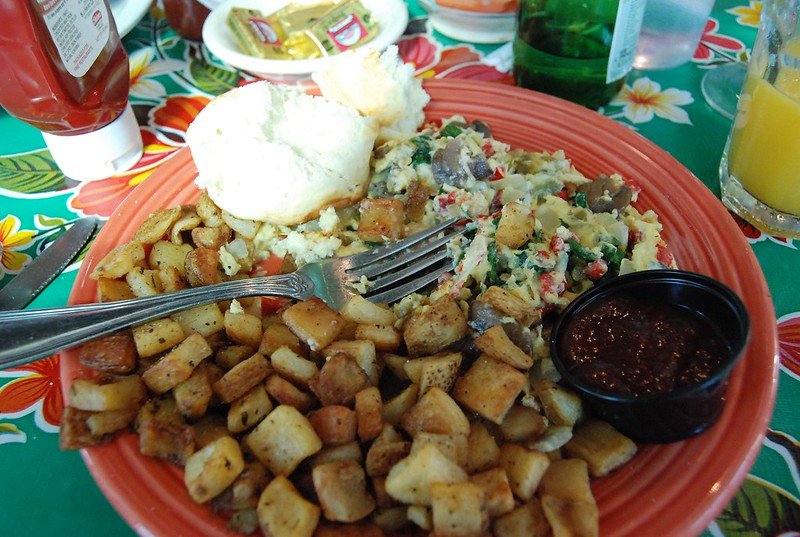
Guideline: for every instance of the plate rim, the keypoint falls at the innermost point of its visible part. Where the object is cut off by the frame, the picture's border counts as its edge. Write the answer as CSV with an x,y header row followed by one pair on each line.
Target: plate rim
x,y
715,499
396,14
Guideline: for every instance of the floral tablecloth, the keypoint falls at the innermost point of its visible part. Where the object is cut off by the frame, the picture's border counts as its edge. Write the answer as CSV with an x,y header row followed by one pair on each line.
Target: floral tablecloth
x,y
46,492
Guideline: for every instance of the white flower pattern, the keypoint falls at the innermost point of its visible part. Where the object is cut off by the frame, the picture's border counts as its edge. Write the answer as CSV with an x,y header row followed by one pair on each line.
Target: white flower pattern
x,y
644,99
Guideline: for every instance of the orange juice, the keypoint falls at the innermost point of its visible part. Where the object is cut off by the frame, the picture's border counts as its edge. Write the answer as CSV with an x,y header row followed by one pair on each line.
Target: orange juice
x,y
765,143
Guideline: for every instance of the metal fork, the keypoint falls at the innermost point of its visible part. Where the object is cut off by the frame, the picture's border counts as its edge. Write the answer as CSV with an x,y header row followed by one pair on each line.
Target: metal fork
x,y
413,262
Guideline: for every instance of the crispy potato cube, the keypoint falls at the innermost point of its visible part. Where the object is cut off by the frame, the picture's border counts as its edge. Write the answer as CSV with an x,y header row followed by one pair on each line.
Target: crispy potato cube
x,y
243,328
394,409
568,479
211,237
287,393
204,320
276,336
119,261
243,493
512,305
75,432
522,424
561,406
524,468
201,267
369,413
385,337
364,353
342,491
433,328
248,410
390,519
600,445
157,225
282,511
421,516
314,323
293,367
157,336
553,438
344,452
382,456
208,211
230,356
458,510
186,223
209,471
171,280
452,446
143,282
193,395
334,424
339,380
283,439
435,412
361,311
571,518
110,354
489,388
410,480
163,433
177,365
527,520
496,344
516,225
107,393
381,220
238,381
110,290
396,364
208,428
439,371
496,490
482,449
245,228
165,254
110,421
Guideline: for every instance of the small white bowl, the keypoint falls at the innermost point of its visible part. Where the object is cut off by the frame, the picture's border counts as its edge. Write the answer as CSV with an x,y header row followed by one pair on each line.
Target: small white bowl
x,y
392,16
471,26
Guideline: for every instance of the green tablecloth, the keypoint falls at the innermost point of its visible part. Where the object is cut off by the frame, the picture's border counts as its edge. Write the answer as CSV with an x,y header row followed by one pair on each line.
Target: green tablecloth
x,y
46,492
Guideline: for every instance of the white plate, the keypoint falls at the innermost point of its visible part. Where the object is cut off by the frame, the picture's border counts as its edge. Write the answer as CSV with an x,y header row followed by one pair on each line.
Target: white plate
x,y
127,13
392,16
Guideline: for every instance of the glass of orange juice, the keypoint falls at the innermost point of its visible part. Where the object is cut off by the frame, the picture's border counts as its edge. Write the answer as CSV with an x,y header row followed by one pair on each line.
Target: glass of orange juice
x,y
760,168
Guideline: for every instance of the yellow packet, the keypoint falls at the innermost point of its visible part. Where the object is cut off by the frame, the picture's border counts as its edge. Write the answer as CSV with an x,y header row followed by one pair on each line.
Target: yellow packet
x,y
346,25
257,35
296,18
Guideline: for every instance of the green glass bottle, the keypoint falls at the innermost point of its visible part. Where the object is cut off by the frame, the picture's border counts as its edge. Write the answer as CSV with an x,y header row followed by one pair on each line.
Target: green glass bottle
x,y
579,50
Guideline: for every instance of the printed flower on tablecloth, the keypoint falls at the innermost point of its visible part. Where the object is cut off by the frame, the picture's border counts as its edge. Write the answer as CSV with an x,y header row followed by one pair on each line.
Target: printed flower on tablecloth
x,y
34,388
754,235
142,66
645,99
789,342
10,433
711,38
747,15
166,134
12,240
431,60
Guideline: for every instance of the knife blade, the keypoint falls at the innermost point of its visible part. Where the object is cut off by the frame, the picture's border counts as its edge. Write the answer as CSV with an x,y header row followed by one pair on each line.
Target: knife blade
x,y
46,266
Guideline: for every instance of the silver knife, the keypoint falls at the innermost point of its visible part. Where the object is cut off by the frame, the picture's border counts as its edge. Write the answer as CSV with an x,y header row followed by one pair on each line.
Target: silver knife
x,y
46,266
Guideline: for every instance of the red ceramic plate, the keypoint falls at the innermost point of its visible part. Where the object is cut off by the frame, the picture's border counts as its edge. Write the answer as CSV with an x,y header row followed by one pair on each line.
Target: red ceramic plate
x,y
675,489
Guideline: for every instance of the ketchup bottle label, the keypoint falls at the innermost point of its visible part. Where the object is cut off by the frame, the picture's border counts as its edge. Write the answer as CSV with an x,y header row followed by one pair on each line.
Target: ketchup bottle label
x,y
80,30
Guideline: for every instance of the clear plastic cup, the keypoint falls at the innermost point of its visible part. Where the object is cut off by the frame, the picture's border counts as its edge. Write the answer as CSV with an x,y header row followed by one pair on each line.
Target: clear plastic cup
x,y
760,168
671,31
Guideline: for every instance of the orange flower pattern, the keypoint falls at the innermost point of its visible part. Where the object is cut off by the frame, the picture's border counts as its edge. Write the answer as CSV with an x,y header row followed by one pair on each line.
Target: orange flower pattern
x,y
33,388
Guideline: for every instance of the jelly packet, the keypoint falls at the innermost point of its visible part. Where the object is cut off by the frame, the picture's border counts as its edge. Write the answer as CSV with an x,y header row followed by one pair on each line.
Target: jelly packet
x,y
346,25
257,35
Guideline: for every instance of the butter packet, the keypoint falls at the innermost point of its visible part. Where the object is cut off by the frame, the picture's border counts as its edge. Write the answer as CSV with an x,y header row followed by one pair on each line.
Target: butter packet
x,y
296,18
257,35
346,25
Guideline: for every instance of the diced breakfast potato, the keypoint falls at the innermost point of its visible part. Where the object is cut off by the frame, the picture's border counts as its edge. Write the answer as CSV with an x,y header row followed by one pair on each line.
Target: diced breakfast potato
x,y
567,518
243,493
208,211
245,228
522,424
157,225
435,412
381,220
438,371
243,376
163,432
111,290
527,520
512,305
243,328
395,408
601,446
568,479
342,491
382,456
211,237
210,470
339,380
143,282
177,365
452,446
283,439
286,393
248,410
432,328
293,367
314,323
369,413
204,320
363,351
410,480
524,468
496,344
489,388
165,254
119,261
385,337
361,311
482,449
171,280
344,452
458,509
109,421
188,221
516,225
334,424
110,354
157,336
561,406
193,395
75,432
421,516
230,356
283,511
276,336
202,267
496,491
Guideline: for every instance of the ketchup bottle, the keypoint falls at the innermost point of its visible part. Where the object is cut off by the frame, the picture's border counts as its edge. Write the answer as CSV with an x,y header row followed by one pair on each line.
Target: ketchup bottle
x,y
63,70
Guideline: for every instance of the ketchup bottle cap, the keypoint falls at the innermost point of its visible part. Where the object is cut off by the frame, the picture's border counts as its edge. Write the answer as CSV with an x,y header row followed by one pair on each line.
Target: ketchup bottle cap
x,y
99,154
